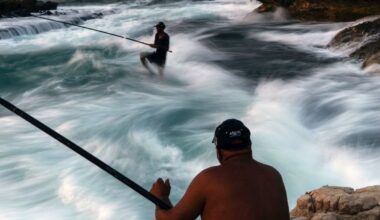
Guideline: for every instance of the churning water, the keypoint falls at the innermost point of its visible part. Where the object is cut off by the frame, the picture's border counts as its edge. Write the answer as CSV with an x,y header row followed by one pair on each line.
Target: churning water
x,y
314,114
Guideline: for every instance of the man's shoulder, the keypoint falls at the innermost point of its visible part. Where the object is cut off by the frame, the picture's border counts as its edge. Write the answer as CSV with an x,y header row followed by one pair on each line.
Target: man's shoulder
x,y
209,172
264,166
206,176
269,169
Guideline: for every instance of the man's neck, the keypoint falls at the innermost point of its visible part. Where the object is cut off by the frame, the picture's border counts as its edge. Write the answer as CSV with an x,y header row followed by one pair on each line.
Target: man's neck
x,y
244,155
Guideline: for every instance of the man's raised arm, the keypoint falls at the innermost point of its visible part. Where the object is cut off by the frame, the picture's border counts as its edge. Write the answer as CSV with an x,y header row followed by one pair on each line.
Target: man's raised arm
x,y
189,207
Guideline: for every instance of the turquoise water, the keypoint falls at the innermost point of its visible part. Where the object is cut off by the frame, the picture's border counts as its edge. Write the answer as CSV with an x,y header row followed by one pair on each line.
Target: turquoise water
x,y
313,113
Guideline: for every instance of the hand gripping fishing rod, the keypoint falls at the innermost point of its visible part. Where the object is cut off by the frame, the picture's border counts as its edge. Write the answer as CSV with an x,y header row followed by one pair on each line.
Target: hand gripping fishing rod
x,y
92,29
86,155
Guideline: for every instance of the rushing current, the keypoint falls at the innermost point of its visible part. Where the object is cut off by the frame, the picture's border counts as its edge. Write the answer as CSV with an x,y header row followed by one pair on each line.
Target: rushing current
x,y
313,113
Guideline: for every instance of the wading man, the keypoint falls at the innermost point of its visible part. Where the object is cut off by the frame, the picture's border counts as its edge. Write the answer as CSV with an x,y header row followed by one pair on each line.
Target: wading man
x,y
239,188
161,43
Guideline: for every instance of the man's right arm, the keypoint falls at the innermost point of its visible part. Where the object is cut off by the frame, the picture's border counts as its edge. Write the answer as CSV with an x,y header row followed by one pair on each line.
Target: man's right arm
x,y
192,203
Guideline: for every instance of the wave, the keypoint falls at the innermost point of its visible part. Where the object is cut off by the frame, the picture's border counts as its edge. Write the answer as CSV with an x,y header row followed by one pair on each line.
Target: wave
x,y
14,27
319,127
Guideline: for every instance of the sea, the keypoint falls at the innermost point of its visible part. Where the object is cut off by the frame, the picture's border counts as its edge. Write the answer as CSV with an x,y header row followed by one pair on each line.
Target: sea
x,y
314,114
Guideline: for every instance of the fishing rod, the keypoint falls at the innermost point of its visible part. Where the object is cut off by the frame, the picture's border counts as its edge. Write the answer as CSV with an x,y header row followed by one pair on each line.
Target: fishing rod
x,y
93,29
85,154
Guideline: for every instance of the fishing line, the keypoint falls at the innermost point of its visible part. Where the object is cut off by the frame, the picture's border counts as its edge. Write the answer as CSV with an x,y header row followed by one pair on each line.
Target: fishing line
x,y
93,29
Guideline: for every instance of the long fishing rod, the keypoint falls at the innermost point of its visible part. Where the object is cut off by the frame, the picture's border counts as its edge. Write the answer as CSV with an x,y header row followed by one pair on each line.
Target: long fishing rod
x,y
92,29
85,154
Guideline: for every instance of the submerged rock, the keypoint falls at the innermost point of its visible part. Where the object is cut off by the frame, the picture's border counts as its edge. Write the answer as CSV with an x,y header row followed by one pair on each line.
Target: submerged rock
x,y
361,41
12,8
327,10
338,203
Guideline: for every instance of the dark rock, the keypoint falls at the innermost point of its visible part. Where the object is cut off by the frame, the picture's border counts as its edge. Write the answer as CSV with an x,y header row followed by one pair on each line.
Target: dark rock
x,y
334,10
356,33
11,8
282,3
327,10
362,41
45,6
369,48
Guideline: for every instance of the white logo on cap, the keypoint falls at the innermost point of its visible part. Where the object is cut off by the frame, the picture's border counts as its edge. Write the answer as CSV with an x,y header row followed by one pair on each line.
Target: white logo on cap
x,y
235,134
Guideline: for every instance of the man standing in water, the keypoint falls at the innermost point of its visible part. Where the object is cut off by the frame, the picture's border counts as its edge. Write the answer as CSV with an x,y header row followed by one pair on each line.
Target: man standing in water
x,y
240,188
161,43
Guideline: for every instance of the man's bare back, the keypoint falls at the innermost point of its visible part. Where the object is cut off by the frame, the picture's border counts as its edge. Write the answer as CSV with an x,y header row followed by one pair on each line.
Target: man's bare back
x,y
240,188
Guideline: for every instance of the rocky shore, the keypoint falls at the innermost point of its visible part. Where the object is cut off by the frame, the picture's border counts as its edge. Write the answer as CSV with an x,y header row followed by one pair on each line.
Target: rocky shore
x,y
360,40
12,8
324,10
338,203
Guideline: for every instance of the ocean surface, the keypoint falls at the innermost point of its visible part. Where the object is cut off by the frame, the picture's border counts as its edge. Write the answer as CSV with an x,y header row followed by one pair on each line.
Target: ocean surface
x,y
313,113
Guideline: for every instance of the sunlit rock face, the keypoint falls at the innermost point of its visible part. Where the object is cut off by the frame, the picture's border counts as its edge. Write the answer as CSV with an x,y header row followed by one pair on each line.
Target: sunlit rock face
x,y
334,203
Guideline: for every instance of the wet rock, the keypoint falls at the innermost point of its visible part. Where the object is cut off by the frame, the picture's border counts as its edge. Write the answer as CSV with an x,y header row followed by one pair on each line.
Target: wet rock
x,y
45,6
361,41
12,8
282,3
338,203
265,8
327,10
334,10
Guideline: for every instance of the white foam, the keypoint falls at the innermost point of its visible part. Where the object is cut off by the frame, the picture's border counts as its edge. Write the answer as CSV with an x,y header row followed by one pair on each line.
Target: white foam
x,y
81,199
315,41
123,123
309,157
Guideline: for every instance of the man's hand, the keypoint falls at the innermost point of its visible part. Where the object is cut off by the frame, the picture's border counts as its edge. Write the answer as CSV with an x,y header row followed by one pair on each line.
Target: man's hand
x,y
161,189
152,45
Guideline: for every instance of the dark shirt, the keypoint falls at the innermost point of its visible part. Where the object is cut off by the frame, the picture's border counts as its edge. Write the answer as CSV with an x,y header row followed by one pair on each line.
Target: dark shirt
x,y
163,45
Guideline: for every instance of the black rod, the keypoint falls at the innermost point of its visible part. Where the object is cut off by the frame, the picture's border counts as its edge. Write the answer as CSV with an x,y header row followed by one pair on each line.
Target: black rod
x,y
92,29
85,154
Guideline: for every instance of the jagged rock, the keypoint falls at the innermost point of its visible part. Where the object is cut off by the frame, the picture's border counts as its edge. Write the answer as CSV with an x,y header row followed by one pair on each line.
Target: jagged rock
x,y
373,214
327,10
300,218
373,191
325,216
338,203
11,8
362,41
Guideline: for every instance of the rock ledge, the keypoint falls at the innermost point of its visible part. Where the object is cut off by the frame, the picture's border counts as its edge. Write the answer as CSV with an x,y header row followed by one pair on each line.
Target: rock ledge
x,y
338,203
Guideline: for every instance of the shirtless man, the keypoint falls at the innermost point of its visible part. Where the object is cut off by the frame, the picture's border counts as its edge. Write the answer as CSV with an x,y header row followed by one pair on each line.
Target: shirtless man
x,y
240,188
161,43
